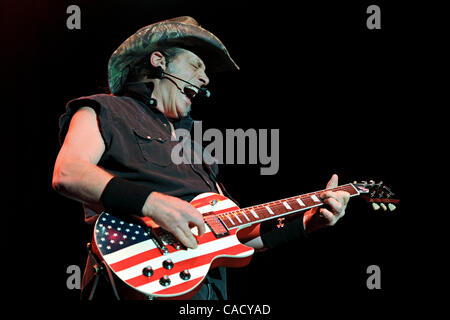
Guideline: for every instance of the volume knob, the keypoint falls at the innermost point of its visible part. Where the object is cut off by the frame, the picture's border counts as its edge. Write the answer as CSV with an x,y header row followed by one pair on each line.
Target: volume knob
x,y
185,275
164,281
168,264
147,271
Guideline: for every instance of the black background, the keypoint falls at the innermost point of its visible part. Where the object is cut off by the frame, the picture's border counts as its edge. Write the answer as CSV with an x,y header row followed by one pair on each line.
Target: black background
x,y
344,98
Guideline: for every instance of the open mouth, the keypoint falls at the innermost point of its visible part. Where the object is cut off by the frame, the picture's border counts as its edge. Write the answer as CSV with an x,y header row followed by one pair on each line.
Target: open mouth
x,y
190,91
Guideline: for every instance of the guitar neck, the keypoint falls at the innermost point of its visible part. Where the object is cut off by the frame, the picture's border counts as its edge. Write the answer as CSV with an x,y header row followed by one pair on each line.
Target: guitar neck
x,y
277,209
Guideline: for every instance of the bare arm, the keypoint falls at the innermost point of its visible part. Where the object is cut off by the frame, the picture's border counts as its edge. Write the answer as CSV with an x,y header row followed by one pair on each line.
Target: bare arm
x,y
77,176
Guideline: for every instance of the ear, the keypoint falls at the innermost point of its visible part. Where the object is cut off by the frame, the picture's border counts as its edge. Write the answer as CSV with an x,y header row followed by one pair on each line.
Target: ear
x,y
158,60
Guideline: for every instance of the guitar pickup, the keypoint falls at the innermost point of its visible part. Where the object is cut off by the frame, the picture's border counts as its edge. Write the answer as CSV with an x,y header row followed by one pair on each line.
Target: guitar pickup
x,y
157,240
217,226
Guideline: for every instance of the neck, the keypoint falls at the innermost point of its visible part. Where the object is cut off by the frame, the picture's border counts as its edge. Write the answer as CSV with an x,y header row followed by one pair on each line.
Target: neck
x,y
275,209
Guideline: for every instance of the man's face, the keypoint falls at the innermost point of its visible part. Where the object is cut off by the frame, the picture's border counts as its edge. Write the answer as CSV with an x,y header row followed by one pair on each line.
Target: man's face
x,y
187,66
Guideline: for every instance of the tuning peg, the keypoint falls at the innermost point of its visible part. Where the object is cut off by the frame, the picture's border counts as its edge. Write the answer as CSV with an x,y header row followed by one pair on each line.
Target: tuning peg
x,y
383,206
391,207
388,192
375,206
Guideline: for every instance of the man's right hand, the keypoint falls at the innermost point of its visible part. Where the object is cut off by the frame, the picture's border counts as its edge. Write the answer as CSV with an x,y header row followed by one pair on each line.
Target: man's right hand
x,y
175,216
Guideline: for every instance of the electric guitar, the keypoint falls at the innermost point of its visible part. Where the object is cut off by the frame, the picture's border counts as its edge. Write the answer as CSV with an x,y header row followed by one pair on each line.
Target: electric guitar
x,y
151,261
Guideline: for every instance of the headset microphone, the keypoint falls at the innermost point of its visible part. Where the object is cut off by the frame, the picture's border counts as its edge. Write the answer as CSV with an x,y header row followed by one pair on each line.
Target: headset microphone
x,y
192,90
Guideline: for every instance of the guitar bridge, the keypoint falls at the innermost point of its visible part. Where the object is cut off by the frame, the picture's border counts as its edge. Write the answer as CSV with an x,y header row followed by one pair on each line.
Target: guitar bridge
x,y
158,238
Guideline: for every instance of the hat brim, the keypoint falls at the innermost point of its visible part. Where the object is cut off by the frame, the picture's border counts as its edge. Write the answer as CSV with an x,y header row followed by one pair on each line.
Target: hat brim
x,y
167,33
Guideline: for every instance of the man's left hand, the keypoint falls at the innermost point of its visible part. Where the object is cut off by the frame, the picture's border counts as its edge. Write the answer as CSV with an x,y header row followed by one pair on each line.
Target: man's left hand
x,y
334,209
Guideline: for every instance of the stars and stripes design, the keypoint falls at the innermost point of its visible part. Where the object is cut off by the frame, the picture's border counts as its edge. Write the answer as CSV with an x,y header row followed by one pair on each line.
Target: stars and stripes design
x,y
113,234
128,248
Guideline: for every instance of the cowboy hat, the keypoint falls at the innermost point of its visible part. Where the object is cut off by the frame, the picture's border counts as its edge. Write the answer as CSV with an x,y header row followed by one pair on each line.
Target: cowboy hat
x,y
184,32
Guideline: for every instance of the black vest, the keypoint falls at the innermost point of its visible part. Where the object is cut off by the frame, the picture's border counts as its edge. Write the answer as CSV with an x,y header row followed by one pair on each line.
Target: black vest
x,y
138,146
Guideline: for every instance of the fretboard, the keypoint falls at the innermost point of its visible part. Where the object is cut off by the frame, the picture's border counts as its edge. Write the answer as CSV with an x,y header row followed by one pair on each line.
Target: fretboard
x,y
279,208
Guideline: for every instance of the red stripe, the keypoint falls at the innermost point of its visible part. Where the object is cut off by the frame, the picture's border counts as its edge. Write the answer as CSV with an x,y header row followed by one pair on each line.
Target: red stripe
x,y
206,200
182,287
183,265
154,253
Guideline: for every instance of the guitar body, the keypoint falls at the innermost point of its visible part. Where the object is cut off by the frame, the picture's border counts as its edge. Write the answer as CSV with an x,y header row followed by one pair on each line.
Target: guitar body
x,y
151,261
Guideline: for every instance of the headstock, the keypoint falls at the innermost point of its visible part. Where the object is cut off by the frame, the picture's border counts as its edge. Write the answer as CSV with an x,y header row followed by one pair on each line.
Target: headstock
x,y
378,194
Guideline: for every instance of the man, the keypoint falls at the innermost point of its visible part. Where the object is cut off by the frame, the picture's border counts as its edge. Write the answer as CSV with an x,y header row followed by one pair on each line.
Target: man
x,y
116,150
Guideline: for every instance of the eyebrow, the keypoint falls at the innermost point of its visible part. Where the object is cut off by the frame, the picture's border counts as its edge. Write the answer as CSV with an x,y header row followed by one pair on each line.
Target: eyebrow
x,y
198,62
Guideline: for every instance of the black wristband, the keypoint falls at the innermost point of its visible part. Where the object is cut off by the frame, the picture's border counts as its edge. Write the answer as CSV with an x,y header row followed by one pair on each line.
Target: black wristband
x,y
275,233
122,197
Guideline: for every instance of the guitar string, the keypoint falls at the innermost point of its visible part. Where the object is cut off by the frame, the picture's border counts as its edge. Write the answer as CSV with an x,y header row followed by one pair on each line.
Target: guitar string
x,y
276,206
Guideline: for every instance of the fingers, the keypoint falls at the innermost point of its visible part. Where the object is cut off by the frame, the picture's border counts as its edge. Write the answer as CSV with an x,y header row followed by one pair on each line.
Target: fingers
x,y
181,228
327,217
339,196
336,202
185,236
192,218
197,221
175,216
333,183
336,207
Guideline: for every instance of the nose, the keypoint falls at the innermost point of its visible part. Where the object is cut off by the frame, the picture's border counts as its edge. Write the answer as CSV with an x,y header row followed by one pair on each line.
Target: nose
x,y
203,78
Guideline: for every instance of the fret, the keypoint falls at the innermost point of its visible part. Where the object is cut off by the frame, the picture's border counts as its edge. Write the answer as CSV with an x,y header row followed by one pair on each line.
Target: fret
x,y
229,219
294,204
278,208
308,201
254,213
269,210
286,205
249,216
263,212
237,217
273,209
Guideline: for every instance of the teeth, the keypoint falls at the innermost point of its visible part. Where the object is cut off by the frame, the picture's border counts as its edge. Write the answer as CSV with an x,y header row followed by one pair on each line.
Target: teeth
x,y
190,91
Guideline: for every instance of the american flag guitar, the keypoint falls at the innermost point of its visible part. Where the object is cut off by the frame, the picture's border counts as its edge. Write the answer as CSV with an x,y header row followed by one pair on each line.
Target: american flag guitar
x,y
150,260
